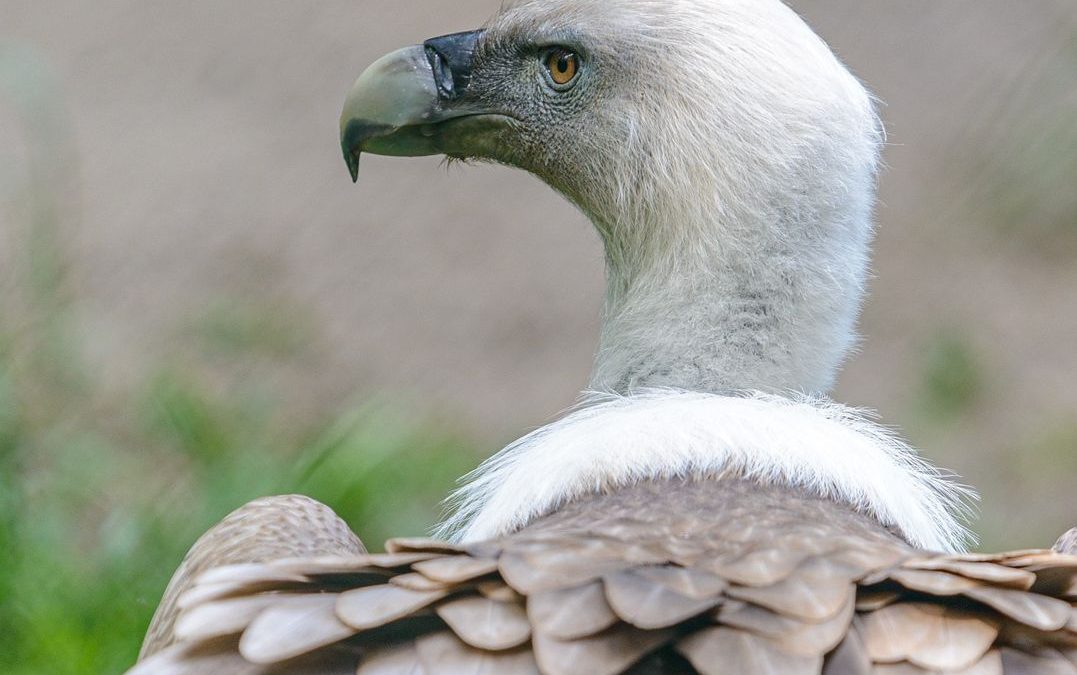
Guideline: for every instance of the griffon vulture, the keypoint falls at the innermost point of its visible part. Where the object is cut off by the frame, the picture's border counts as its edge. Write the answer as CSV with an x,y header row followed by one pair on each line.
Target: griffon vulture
x,y
693,515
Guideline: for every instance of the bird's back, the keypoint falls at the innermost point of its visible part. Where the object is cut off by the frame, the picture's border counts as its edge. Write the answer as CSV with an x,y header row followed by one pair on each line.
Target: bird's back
x,y
710,576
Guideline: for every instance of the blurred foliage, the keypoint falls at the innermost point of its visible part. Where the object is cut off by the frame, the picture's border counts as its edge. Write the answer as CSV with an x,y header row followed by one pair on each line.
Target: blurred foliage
x,y
952,380
1019,159
100,500
1040,461
1050,453
235,326
101,493
100,497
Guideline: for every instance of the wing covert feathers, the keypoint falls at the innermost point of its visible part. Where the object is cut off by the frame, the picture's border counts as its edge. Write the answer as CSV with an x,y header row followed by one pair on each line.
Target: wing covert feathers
x,y
264,530
684,577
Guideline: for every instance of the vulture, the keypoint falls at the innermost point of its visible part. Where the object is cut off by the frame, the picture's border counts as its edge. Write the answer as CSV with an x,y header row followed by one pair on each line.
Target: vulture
x,y
705,508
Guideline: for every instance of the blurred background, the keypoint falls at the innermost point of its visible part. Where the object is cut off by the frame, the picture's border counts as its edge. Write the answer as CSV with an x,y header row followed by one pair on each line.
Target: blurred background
x,y
198,308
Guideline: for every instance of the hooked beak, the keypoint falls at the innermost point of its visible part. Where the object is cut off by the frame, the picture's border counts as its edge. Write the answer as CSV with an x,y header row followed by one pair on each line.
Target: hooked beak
x,y
397,105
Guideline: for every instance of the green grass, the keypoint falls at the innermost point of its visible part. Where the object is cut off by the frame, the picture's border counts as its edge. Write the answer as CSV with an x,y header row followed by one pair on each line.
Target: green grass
x,y
99,499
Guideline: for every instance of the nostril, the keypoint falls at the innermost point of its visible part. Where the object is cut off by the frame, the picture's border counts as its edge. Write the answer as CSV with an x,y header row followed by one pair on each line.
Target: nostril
x,y
443,76
450,58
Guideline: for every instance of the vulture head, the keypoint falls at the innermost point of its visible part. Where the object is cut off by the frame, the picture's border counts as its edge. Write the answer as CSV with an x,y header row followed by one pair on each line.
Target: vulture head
x,y
725,156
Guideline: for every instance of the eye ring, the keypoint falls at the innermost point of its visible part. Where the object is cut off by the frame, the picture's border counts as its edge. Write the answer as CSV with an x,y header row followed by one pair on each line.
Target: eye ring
x,y
562,67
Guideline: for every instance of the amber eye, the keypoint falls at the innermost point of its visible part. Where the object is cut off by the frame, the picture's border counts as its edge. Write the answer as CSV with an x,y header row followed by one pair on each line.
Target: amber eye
x,y
563,66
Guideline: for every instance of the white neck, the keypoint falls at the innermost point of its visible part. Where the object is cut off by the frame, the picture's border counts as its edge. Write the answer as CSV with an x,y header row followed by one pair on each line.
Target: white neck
x,y
776,313
738,266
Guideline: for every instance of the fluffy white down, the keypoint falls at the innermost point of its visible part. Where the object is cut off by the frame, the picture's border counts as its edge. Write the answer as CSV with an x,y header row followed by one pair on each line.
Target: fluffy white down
x,y
612,441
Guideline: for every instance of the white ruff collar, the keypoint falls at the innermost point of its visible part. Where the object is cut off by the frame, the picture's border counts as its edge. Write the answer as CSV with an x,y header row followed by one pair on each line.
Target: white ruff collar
x,y
612,441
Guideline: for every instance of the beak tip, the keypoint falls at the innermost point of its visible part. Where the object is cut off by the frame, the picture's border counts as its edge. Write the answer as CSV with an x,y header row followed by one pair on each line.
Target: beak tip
x,y
351,158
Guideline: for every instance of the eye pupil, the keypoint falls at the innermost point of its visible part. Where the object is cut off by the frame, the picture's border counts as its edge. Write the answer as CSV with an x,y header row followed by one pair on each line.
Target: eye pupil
x,y
563,65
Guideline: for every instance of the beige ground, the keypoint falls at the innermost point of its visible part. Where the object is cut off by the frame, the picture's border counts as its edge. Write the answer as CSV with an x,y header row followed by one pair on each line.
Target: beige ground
x,y
203,146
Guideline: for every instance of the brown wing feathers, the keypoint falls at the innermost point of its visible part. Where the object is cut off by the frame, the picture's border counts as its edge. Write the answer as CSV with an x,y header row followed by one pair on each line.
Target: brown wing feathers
x,y
263,530
594,590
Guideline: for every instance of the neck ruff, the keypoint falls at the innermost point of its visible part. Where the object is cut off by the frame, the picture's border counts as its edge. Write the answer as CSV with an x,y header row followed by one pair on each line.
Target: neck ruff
x,y
612,441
